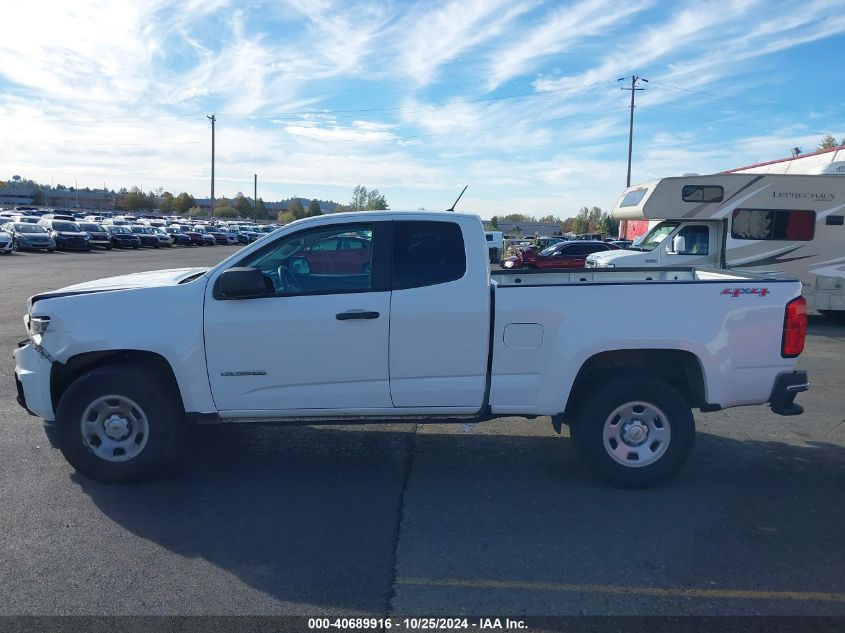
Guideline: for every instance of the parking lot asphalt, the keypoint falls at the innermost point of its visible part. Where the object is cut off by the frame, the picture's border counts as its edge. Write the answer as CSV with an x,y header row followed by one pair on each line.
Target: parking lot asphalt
x,y
498,518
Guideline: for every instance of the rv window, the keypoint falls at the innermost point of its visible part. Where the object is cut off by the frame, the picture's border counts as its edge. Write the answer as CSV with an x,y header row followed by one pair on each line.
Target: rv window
x,y
773,224
633,198
702,193
655,236
696,240
835,220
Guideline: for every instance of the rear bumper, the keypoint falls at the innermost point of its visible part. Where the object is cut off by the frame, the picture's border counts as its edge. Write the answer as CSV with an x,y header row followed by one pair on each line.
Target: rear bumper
x,y
32,379
786,387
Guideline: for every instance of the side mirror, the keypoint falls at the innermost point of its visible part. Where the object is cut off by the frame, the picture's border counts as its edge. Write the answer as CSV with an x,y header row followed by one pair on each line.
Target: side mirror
x,y
679,245
300,265
242,283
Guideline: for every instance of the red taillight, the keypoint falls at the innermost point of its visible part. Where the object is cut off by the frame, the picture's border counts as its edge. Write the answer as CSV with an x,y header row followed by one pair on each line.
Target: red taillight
x,y
794,328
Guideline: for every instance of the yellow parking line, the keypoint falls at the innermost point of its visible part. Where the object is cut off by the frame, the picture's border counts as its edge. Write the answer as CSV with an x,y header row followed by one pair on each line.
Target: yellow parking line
x,y
675,592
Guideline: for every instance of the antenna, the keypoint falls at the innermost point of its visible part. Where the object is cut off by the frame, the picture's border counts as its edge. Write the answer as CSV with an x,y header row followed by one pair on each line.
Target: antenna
x,y
452,208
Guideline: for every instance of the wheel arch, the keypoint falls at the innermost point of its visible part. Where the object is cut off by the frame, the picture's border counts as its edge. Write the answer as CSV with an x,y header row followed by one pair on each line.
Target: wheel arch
x,y
63,375
681,369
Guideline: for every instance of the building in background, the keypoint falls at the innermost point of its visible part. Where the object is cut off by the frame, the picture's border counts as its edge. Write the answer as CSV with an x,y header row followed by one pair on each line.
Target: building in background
x,y
528,229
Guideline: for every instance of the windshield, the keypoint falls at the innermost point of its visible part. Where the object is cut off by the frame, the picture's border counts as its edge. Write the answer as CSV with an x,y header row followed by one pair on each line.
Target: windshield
x,y
29,228
119,229
67,227
655,236
140,229
91,227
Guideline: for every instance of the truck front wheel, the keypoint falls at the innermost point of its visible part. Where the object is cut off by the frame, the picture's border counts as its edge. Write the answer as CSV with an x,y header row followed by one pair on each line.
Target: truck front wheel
x,y
634,432
119,423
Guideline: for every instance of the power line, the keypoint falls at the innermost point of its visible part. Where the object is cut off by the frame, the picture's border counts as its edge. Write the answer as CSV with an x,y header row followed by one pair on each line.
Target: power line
x,y
726,122
511,124
445,105
72,144
733,100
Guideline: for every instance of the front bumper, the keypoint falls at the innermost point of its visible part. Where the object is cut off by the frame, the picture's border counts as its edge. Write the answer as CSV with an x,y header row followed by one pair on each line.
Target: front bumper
x,y
28,244
72,244
786,387
32,379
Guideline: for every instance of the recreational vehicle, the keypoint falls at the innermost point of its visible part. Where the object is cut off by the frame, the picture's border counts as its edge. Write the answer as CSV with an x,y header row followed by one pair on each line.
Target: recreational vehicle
x,y
775,224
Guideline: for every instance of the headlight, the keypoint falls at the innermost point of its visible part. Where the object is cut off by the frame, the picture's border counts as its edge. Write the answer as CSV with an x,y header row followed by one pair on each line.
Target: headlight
x,y
37,325
508,264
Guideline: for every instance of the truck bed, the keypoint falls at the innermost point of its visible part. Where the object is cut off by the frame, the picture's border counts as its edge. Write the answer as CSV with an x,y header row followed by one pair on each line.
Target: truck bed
x,y
548,324
578,276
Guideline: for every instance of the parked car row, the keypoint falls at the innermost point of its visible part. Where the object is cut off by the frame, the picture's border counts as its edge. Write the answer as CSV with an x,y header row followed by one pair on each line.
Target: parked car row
x,y
564,254
21,230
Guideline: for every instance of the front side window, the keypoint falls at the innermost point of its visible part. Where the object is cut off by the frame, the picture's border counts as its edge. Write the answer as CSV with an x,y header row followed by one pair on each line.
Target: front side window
x,y
301,264
426,253
588,249
696,240
773,224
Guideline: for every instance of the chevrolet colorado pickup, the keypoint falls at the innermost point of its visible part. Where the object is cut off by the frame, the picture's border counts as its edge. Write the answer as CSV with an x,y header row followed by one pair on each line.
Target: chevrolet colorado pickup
x,y
121,369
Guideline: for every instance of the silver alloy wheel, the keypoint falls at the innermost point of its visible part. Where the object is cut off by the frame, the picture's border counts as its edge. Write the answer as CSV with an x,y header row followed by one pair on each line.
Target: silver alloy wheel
x,y
636,434
114,428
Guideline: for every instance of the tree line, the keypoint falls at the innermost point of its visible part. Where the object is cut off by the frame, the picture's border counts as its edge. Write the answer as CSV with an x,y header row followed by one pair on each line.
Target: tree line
x,y
363,199
587,220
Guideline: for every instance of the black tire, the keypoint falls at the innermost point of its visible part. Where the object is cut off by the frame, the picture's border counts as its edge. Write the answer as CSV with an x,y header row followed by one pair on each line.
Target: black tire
x,y
109,247
156,245
50,250
135,247
158,402
595,411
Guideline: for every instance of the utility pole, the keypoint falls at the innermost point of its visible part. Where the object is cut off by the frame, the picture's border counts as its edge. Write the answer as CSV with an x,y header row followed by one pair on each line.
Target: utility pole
x,y
623,227
255,198
213,119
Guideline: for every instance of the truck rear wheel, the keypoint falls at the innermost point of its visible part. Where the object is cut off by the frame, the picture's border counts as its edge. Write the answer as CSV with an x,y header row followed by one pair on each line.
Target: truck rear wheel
x,y
119,423
634,432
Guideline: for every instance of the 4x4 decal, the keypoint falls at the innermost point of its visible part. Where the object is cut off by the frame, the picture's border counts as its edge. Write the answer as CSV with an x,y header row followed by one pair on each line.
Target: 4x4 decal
x,y
735,292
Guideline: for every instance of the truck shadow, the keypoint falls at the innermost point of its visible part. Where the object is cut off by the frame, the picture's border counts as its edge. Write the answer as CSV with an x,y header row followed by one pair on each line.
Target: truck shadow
x,y
311,516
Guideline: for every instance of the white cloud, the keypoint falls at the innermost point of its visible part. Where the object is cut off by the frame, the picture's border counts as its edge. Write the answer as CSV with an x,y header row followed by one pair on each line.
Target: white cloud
x,y
427,38
359,131
557,32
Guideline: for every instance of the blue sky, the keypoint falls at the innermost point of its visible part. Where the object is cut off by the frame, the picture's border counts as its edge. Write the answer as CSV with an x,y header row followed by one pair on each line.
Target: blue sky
x,y
518,99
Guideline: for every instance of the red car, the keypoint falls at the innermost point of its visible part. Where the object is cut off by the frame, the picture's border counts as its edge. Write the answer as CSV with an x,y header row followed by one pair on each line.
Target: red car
x,y
194,236
563,255
340,254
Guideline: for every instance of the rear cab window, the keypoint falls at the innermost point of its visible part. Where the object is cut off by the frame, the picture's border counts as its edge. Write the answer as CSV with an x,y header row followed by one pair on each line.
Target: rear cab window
x,y
426,253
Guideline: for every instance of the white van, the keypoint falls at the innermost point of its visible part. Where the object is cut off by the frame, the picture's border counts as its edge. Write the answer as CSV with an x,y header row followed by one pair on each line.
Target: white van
x,y
776,224
495,245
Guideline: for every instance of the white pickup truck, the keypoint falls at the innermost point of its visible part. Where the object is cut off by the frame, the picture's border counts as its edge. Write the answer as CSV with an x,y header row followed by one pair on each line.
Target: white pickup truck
x,y
386,316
